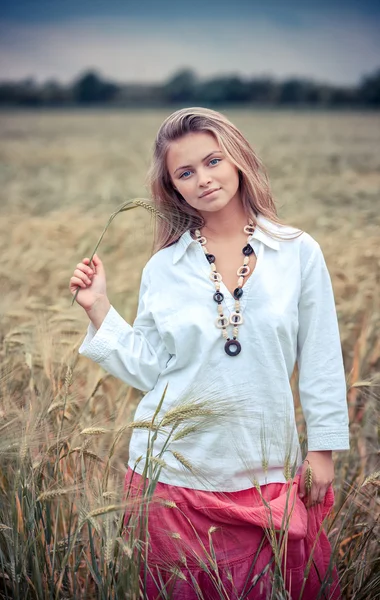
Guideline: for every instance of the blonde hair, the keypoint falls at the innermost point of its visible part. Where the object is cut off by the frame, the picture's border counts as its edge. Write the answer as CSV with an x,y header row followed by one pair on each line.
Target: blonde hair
x,y
179,215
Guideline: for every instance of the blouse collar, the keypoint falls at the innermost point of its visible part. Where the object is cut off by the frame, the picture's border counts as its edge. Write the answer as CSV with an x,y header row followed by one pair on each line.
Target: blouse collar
x,y
185,240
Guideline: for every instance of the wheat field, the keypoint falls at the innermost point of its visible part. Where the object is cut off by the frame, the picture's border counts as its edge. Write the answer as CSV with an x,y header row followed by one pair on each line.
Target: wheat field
x,y
62,174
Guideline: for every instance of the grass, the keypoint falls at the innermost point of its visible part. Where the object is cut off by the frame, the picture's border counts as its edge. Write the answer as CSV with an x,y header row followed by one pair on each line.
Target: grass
x,y
65,425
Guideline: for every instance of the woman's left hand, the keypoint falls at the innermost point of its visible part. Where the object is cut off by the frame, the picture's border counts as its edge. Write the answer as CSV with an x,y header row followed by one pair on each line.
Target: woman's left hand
x,y
322,467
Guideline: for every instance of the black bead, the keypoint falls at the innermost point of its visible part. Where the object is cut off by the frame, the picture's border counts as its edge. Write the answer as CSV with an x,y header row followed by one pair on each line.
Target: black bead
x,y
227,347
218,297
247,250
210,258
238,292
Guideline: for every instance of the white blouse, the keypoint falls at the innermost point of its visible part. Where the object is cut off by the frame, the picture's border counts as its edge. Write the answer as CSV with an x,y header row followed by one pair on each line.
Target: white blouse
x,y
245,431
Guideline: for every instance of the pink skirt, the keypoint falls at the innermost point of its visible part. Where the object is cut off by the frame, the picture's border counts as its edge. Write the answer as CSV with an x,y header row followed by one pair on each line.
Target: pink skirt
x,y
216,545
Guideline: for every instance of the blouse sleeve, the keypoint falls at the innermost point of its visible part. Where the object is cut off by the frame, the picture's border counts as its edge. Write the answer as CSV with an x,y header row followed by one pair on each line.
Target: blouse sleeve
x,y
322,383
135,354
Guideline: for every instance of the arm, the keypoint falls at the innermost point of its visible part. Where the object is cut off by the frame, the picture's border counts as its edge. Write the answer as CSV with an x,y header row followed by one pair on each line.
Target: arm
x,y
322,383
135,354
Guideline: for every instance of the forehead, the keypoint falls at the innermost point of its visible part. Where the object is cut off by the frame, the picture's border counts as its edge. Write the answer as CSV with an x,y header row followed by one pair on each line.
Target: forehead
x,y
191,148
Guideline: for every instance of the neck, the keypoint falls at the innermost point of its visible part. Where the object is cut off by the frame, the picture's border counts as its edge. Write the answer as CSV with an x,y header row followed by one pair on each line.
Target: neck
x,y
226,223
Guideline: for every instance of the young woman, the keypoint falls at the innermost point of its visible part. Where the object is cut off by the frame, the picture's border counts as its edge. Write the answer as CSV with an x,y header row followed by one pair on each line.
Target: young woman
x,y
230,300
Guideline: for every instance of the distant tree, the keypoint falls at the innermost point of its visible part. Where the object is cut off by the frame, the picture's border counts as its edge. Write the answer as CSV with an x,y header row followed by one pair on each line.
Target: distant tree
x,y
181,87
91,89
369,89
292,91
53,93
263,90
224,90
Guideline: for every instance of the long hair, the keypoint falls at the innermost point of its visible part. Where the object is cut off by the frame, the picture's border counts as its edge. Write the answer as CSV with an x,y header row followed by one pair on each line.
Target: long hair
x,y
179,215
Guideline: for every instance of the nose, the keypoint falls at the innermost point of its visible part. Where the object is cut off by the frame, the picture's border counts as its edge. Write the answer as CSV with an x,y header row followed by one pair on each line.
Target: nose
x,y
204,178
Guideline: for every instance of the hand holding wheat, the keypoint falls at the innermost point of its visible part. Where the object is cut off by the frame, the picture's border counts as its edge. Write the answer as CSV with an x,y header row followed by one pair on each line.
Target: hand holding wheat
x,y
316,476
88,286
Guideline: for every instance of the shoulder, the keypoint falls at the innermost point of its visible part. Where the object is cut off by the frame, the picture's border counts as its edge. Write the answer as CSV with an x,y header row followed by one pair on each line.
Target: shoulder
x,y
160,263
302,248
303,242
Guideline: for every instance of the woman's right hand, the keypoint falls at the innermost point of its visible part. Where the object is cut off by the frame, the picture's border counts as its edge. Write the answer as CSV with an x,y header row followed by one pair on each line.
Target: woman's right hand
x,y
91,280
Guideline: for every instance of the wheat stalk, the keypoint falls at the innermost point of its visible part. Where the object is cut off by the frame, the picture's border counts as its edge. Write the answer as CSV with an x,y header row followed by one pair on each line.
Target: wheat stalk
x,y
184,432
49,495
94,431
308,478
371,478
104,510
182,460
179,414
142,425
129,205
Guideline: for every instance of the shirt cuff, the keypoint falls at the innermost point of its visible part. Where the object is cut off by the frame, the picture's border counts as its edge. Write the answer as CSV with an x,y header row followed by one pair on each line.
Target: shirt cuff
x,y
328,439
99,343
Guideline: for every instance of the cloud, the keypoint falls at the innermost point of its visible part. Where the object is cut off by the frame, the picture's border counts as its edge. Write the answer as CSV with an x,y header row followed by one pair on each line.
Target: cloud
x,y
328,48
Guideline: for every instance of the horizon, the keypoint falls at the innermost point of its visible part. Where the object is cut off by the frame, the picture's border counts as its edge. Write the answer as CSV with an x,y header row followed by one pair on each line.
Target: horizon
x,y
336,43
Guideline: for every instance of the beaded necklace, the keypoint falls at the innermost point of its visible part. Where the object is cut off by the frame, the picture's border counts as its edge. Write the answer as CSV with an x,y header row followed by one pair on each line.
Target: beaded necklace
x,y
232,345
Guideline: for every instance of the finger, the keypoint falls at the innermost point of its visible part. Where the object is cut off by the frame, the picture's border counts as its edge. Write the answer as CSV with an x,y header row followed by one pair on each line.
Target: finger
x,y
314,495
83,276
98,265
96,262
302,487
76,282
321,495
85,268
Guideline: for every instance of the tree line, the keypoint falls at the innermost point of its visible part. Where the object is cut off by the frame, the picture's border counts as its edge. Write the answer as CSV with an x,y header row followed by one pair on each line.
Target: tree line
x,y
184,87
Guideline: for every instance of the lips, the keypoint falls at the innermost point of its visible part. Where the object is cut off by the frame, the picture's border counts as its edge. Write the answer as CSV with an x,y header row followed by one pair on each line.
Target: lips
x,y
209,192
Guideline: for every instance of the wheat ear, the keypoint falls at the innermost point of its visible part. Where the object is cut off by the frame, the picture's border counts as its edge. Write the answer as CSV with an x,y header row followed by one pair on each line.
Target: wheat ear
x,y
308,478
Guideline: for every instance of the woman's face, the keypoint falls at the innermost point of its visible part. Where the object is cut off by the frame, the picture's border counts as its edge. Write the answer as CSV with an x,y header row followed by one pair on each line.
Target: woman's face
x,y
197,166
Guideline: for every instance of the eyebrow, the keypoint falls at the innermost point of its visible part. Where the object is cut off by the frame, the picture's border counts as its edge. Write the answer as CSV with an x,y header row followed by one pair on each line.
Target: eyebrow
x,y
203,159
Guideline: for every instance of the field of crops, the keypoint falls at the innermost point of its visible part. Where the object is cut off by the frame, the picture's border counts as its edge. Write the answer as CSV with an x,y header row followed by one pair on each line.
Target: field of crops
x,y
62,174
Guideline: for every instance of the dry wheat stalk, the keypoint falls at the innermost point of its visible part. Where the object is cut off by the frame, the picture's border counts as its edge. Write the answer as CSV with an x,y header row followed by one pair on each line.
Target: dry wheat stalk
x,y
308,478
181,414
287,469
184,432
142,425
157,460
105,509
178,573
128,205
168,503
94,431
371,478
49,495
182,460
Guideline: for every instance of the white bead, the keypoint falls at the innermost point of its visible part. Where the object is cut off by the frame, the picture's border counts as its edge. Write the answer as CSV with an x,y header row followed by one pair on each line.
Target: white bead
x,y
235,331
249,229
225,333
220,309
215,276
243,271
246,260
221,322
236,318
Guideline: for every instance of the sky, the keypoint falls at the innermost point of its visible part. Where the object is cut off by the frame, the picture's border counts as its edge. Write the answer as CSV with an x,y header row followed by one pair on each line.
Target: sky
x,y
334,41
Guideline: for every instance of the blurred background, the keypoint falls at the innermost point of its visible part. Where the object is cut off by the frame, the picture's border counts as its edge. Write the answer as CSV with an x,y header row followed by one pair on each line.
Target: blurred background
x,y
84,87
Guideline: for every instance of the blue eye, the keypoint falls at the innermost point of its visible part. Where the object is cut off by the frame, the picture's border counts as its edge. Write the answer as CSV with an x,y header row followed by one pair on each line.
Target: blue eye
x,y
218,159
184,174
